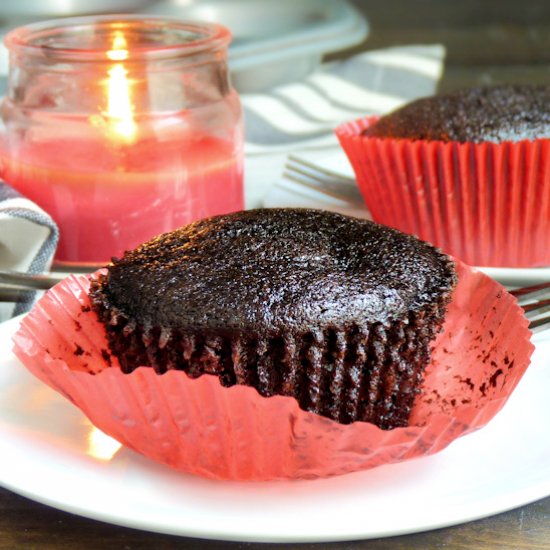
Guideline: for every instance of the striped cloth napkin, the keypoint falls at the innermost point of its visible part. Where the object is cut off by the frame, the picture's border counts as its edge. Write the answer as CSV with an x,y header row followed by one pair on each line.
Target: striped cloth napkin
x,y
302,116
28,239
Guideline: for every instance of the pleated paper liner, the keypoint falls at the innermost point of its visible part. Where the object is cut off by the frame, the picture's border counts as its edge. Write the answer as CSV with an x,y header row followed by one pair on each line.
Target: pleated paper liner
x,y
487,204
198,426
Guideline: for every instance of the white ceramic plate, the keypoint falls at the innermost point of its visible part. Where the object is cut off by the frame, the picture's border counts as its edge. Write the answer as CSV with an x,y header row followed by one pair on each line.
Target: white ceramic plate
x,y
50,453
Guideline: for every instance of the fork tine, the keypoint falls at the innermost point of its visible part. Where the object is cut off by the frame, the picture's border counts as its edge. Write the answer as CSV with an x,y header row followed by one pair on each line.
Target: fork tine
x,y
540,305
315,169
11,294
536,308
535,301
307,183
531,293
339,189
314,175
538,325
334,189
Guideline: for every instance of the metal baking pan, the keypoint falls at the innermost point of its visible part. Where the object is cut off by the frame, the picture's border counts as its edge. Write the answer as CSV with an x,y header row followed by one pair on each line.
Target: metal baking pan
x,y
274,41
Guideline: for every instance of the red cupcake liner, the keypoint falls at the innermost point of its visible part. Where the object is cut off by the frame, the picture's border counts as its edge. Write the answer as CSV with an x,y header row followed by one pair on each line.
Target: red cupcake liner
x,y
198,426
487,204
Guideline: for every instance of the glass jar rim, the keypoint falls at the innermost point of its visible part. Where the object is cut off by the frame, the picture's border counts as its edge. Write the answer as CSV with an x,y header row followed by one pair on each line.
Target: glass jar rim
x,y
29,39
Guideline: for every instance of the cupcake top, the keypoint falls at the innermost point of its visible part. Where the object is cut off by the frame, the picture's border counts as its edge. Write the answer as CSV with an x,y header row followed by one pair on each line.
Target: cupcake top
x,y
275,269
495,114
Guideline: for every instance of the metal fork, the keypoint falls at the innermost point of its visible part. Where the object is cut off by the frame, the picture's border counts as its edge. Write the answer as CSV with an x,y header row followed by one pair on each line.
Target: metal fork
x,y
19,290
535,300
315,177
15,280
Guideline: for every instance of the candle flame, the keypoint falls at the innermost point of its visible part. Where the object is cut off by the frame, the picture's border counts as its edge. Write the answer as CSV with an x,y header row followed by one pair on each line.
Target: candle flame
x,y
120,48
119,103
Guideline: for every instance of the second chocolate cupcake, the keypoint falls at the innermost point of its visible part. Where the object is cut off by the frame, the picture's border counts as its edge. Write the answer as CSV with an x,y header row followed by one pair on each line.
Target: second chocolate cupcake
x,y
336,312
468,171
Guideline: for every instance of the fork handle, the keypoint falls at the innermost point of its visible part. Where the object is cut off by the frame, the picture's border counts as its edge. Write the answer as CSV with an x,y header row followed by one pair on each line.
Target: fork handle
x,y
18,280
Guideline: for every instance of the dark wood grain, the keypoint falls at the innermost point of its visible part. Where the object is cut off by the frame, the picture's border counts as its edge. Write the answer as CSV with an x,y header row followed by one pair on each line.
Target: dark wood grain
x,y
489,41
29,525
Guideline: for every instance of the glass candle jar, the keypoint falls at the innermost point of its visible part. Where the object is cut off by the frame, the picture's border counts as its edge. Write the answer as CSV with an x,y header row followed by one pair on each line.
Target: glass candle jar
x,y
121,128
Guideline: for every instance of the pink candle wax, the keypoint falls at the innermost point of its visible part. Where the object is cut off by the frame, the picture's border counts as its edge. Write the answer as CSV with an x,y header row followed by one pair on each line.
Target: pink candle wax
x,y
109,199
121,128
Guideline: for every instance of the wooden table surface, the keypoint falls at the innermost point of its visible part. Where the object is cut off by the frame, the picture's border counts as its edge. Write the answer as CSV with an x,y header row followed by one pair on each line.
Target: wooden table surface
x,y
487,42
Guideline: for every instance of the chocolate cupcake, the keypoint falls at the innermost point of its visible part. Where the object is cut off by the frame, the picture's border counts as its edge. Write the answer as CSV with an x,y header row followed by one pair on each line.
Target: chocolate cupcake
x,y
467,171
337,312
486,114
198,426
